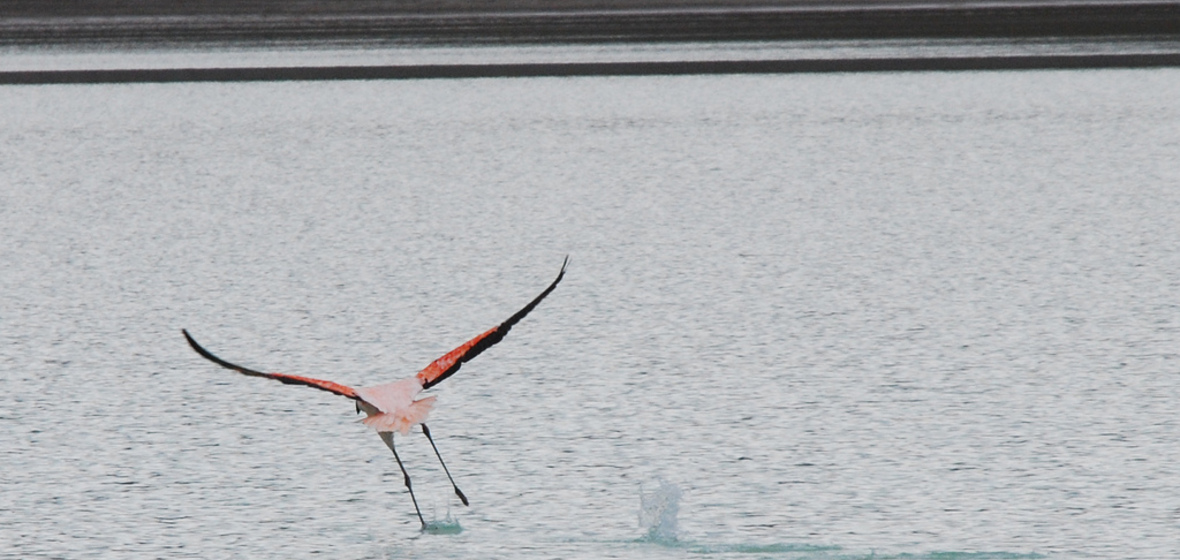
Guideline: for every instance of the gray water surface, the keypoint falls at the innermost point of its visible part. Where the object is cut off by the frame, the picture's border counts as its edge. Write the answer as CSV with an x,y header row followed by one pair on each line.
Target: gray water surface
x,y
845,315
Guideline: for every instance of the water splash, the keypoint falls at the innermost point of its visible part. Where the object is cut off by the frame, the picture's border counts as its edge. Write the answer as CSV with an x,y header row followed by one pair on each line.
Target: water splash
x,y
445,526
658,510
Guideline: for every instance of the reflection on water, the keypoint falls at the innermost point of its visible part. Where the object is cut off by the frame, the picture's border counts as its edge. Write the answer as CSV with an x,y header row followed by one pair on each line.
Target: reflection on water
x,y
848,315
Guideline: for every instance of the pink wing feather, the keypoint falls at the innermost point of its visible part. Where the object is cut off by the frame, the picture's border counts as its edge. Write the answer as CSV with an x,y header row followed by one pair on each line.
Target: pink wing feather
x,y
447,365
329,386
434,373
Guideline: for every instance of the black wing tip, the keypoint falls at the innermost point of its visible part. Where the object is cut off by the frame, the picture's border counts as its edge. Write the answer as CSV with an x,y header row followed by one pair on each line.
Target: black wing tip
x,y
560,275
213,358
192,342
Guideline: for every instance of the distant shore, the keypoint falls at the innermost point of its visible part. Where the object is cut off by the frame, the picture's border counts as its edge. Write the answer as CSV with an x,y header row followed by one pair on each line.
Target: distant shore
x,y
122,24
128,22
533,70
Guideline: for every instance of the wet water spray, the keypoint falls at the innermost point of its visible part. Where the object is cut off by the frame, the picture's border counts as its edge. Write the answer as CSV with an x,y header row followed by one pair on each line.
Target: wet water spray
x,y
447,526
658,510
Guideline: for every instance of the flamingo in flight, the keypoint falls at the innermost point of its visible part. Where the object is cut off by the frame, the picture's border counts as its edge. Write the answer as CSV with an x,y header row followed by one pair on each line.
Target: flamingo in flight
x,y
392,407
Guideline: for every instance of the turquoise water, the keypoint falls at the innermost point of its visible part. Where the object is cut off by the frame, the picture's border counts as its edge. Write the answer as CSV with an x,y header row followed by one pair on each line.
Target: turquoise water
x,y
846,316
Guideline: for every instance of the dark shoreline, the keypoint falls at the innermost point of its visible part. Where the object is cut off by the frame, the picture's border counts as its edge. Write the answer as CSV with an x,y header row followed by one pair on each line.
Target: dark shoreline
x,y
201,24
31,23
525,70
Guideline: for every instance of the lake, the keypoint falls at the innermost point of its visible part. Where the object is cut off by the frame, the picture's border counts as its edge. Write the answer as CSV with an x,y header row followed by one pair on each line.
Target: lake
x,y
915,315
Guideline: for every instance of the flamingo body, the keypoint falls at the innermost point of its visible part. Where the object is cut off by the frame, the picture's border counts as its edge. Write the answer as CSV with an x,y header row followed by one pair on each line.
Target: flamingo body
x,y
396,409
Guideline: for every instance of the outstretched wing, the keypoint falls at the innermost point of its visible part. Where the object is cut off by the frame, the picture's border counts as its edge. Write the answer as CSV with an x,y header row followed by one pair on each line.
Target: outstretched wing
x,y
328,386
447,365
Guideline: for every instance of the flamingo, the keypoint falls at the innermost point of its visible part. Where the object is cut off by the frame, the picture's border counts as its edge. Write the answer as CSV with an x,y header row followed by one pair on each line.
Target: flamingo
x,y
392,407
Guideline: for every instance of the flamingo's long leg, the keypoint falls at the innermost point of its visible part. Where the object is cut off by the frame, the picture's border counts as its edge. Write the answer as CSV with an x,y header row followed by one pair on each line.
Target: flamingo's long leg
x,y
387,437
458,492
